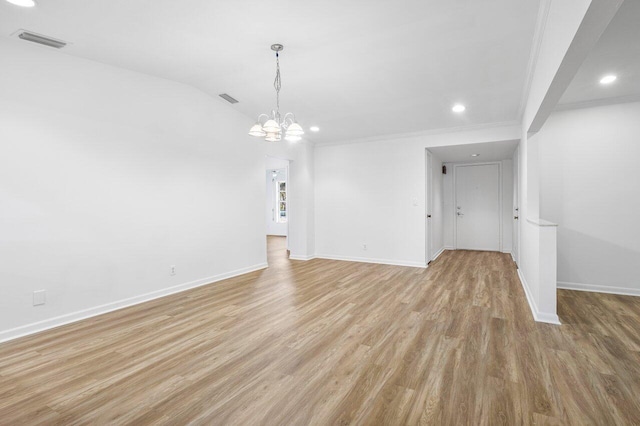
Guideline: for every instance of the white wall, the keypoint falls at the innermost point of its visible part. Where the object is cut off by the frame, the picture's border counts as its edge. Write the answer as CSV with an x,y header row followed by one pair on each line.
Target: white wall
x,y
590,186
274,227
365,194
108,177
507,205
537,245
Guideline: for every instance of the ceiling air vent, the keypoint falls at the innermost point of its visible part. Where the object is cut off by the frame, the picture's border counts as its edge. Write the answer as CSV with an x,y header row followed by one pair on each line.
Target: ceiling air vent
x,y
228,98
40,39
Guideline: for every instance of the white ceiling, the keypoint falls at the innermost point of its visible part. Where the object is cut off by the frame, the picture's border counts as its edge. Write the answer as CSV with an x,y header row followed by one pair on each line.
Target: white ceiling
x,y
489,151
617,52
355,68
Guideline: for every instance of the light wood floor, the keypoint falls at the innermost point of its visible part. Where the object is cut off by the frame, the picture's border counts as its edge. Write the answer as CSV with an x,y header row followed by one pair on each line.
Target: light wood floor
x,y
329,342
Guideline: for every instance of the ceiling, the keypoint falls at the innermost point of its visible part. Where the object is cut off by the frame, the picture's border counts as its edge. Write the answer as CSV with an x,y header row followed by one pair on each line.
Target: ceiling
x,y
617,52
489,151
354,68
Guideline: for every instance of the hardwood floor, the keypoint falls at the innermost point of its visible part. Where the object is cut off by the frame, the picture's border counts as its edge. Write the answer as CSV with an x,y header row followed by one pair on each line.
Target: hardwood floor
x,y
329,342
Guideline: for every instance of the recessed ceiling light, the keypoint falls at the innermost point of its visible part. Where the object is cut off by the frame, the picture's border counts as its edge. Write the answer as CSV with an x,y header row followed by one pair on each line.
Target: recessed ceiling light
x,y
23,3
608,79
458,108
475,155
314,128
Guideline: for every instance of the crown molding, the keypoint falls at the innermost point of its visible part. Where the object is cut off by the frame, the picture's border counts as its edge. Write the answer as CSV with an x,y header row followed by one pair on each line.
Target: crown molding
x,y
597,102
431,132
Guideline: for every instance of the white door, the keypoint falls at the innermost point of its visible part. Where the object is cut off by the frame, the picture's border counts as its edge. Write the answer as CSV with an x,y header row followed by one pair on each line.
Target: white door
x,y
516,208
478,207
429,207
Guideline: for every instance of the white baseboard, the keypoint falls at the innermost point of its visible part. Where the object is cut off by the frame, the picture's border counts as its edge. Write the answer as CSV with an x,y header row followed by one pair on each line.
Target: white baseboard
x,y
438,253
538,316
624,291
297,257
368,260
58,321
449,248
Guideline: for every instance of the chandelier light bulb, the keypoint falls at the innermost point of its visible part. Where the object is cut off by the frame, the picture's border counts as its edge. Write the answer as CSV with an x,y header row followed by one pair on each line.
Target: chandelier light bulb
x,y
273,137
295,129
271,126
256,130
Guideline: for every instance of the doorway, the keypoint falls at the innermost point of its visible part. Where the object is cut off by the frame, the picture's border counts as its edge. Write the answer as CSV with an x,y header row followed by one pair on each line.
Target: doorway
x,y
277,207
277,210
478,201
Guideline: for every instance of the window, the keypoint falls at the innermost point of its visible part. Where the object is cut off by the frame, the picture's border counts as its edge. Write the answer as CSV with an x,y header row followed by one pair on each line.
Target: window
x,y
281,201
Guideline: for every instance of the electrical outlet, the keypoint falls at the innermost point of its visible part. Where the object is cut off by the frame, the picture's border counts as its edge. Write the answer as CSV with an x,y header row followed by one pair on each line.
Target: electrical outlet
x,y
39,297
172,270
364,247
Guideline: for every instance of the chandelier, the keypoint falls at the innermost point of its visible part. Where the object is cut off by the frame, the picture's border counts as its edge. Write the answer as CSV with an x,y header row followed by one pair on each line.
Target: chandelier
x,y
270,127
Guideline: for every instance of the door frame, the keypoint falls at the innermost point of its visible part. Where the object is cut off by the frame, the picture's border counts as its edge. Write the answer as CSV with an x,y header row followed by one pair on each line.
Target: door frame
x,y
455,200
428,207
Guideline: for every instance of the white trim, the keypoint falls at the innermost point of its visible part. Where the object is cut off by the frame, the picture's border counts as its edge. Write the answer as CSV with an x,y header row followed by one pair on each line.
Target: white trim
x,y
368,260
439,253
440,131
455,202
58,321
540,222
298,257
537,316
513,257
593,103
595,288
449,248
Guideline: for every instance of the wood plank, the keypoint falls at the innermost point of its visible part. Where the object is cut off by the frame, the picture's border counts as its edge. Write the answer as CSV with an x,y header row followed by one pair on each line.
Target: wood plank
x,y
331,342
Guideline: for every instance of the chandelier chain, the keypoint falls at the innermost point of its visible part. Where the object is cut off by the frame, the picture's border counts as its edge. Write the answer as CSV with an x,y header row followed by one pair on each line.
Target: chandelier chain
x,y
277,84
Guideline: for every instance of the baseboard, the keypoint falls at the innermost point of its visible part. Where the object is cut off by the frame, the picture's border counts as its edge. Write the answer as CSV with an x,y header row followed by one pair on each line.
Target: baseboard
x,y
297,257
438,253
449,248
537,316
623,291
37,327
368,260
513,257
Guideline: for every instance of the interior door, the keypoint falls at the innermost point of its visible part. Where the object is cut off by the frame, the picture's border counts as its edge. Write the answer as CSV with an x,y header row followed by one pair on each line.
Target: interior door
x,y
429,207
516,208
478,207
